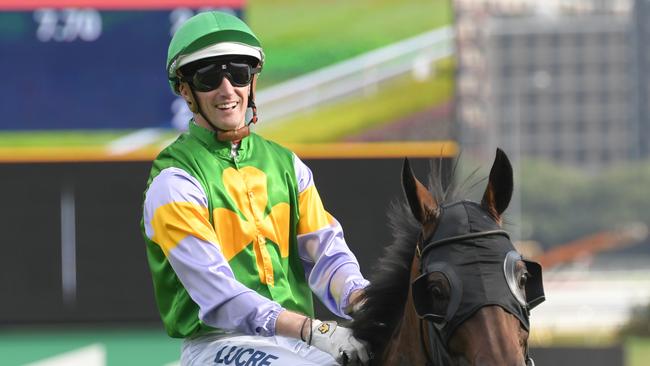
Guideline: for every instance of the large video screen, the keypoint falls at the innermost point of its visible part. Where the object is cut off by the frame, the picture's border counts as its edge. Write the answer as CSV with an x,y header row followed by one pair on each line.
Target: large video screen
x,y
88,67
87,77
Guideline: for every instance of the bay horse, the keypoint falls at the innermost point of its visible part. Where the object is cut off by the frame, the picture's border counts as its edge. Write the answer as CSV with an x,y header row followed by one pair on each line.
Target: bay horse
x,y
451,289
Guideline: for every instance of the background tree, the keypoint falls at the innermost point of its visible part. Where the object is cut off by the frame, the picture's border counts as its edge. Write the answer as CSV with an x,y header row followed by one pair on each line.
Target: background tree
x,y
560,203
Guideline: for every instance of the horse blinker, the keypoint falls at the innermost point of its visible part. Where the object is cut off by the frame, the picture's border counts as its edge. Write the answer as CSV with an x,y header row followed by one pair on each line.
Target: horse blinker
x,y
480,269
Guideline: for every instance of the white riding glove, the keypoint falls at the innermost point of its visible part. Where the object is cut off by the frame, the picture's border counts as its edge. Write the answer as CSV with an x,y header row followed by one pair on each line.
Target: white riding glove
x,y
338,342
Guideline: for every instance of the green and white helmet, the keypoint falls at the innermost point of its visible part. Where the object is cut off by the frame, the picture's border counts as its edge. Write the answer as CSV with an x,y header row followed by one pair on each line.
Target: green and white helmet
x,y
210,34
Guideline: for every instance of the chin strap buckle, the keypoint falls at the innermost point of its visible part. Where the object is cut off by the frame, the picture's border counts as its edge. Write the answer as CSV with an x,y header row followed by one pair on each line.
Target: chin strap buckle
x,y
233,135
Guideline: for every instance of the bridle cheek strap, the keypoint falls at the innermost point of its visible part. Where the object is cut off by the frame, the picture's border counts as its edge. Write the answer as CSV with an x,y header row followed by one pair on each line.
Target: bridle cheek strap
x,y
432,353
425,349
431,348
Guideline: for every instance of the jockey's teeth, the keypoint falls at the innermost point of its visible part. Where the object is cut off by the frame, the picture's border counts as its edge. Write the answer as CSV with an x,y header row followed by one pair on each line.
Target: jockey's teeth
x,y
230,105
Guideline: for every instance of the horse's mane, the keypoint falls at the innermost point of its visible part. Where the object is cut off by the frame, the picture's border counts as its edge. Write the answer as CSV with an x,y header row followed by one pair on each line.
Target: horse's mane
x,y
385,297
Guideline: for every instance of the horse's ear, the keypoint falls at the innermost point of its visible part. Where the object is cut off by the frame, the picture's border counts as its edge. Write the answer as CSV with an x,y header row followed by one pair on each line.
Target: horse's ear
x,y
499,189
418,196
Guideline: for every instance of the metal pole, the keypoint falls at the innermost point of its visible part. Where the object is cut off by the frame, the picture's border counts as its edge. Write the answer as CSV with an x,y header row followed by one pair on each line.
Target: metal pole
x,y
640,60
68,246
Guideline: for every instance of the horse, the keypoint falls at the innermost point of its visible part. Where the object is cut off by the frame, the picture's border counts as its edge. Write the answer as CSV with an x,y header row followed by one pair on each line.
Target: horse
x,y
451,289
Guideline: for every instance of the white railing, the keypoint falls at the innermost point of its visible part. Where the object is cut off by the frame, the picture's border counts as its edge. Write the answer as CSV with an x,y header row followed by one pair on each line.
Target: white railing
x,y
356,75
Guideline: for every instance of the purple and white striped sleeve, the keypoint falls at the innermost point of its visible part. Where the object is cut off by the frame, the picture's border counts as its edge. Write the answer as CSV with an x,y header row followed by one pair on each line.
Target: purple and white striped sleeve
x,y
176,218
331,268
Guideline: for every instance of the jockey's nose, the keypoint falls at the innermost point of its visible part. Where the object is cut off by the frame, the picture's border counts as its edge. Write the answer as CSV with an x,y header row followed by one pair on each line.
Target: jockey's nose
x,y
226,86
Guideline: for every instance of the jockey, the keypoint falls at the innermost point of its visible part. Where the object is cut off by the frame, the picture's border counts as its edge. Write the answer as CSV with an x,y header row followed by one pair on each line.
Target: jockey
x,y
236,234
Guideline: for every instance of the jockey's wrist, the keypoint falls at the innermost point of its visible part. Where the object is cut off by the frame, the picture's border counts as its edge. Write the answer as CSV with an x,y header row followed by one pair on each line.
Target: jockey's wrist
x,y
294,325
354,297
355,301
305,330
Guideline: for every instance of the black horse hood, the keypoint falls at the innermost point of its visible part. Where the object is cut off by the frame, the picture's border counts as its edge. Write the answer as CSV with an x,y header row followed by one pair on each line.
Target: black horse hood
x,y
471,250
461,218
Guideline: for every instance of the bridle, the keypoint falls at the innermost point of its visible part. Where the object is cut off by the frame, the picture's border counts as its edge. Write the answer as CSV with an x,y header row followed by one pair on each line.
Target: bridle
x,y
436,350
440,353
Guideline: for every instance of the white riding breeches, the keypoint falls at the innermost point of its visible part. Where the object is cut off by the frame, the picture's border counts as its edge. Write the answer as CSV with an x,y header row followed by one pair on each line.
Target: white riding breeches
x,y
246,350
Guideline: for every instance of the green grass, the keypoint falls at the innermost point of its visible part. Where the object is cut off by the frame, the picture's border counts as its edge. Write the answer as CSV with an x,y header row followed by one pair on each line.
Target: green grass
x,y
334,122
299,36
326,124
124,347
637,351
73,138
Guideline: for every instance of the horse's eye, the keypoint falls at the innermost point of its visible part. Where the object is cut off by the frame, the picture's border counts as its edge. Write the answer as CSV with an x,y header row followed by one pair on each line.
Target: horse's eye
x,y
436,292
522,280
438,288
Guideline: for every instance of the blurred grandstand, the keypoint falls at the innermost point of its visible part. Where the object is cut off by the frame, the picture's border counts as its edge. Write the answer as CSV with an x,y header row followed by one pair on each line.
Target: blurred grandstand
x,y
565,81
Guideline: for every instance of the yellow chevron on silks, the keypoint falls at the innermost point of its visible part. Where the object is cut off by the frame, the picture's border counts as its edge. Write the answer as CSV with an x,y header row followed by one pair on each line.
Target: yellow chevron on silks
x,y
247,188
313,216
175,221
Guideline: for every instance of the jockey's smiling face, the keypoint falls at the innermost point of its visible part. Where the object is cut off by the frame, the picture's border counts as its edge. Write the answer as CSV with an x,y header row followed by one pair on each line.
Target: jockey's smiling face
x,y
221,87
225,106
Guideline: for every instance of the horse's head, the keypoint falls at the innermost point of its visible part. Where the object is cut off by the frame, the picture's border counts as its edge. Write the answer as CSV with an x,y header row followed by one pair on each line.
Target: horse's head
x,y
470,288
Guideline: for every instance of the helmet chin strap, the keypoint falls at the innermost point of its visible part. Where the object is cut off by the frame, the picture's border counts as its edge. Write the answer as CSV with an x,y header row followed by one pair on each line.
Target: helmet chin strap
x,y
228,135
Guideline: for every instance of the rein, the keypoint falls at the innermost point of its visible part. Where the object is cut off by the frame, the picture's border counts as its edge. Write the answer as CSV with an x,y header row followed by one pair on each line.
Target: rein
x,y
434,345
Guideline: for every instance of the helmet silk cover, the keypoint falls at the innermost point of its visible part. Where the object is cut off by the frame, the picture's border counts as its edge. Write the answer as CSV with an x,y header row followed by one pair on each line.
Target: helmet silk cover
x,y
210,34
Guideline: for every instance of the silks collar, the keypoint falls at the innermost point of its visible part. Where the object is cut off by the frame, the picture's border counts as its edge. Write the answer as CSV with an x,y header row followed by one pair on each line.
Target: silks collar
x,y
208,139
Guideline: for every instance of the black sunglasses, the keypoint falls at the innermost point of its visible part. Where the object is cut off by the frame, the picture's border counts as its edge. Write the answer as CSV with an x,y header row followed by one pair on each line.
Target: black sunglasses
x,y
209,77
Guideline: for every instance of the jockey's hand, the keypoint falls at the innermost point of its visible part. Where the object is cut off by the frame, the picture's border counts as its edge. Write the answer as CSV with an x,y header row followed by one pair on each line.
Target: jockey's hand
x,y
339,342
357,299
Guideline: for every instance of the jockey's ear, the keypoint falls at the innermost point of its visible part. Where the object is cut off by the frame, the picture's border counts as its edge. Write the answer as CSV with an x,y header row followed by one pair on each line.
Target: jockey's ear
x,y
499,188
420,200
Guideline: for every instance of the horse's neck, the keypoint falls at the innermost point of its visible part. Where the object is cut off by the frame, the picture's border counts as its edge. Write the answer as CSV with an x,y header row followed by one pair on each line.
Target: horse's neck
x,y
405,348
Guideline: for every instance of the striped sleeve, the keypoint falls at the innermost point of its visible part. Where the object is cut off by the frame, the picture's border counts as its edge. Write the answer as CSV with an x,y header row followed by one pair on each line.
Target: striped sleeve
x,y
176,218
330,267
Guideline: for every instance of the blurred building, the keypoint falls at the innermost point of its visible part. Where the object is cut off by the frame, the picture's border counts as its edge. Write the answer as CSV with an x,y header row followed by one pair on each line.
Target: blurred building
x,y
641,33
564,80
